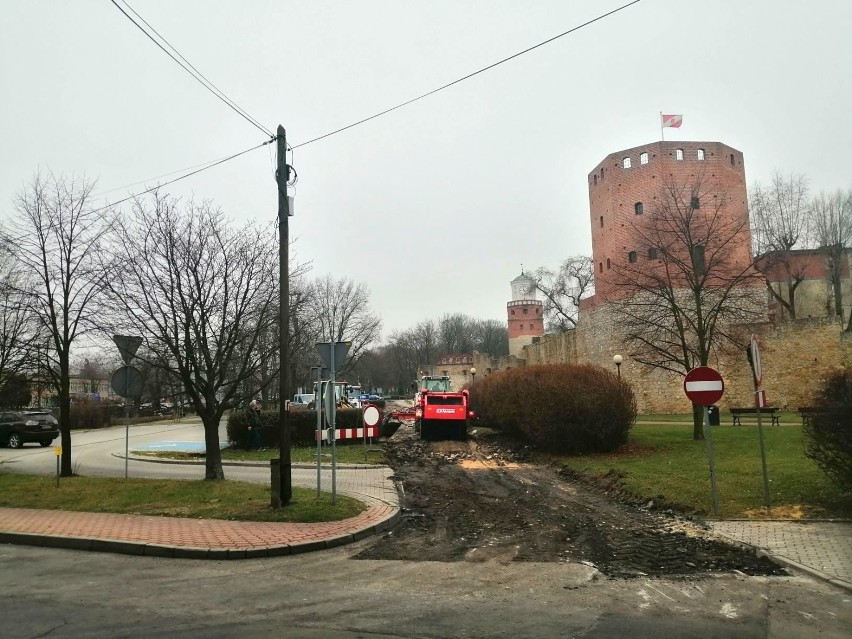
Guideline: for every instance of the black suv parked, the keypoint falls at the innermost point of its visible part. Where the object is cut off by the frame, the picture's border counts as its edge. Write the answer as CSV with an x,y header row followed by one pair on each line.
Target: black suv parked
x,y
28,426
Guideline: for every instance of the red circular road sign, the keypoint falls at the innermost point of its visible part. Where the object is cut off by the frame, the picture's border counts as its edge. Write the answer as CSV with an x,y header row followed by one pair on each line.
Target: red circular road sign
x,y
371,415
703,386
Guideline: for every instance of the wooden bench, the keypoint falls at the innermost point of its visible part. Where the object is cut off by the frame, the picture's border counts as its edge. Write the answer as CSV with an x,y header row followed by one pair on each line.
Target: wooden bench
x,y
737,413
807,412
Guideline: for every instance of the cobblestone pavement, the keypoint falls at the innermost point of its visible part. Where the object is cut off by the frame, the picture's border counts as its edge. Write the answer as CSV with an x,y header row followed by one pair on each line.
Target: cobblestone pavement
x,y
823,549
208,538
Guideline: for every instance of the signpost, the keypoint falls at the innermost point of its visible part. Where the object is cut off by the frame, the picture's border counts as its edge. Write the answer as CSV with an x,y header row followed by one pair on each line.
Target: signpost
x,y
704,386
753,356
371,417
127,382
332,354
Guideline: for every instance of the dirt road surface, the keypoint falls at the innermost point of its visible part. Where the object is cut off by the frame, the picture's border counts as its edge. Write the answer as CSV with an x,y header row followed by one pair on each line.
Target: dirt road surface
x,y
477,501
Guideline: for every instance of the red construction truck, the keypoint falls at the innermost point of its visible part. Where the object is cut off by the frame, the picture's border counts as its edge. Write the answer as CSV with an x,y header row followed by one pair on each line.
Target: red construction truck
x,y
440,412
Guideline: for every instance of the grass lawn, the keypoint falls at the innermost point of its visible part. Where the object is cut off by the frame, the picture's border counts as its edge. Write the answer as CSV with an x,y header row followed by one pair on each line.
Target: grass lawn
x,y
787,418
171,498
662,459
349,454
346,454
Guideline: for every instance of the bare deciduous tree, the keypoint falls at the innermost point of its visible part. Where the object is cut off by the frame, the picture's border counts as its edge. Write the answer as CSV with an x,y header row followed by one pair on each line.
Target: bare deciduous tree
x,y
492,337
563,289
832,222
201,294
93,370
455,332
57,238
780,215
678,306
342,309
18,331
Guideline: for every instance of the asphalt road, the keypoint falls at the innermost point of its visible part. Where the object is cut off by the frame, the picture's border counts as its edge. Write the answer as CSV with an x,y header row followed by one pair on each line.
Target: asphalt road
x,y
64,594
100,453
94,452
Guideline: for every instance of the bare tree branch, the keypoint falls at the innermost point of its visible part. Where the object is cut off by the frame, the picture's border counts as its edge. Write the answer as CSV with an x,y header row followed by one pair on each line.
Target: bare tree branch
x,y
679,305
201,295
563,290
57,237
832,219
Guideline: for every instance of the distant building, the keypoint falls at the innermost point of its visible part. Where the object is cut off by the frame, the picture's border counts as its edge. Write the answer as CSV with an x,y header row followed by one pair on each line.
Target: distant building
x,y
808,272
456,366
524,314
82,389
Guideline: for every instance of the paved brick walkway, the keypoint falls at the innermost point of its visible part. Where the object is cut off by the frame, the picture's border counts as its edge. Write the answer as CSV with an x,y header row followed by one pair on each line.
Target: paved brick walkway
x,y
177,537
211,538
820,548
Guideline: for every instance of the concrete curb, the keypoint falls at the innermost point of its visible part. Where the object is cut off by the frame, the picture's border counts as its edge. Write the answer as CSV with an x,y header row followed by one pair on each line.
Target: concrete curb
x,y
784,561
248,464
189,552
813,572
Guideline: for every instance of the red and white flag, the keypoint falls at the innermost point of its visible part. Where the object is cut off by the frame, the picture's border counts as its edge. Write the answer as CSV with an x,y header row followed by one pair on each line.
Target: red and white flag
x,y
672,121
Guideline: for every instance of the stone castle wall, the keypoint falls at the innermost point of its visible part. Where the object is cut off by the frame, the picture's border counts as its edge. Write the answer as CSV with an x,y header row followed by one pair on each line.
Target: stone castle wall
x,y
796,356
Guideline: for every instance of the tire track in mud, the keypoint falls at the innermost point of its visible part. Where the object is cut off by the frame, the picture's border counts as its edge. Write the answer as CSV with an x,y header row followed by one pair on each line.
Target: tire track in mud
x,y
472,501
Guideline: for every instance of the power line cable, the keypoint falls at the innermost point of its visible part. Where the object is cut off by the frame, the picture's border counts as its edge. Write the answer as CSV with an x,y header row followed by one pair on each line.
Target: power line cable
x,y
195,73
183,177
468,76
163,175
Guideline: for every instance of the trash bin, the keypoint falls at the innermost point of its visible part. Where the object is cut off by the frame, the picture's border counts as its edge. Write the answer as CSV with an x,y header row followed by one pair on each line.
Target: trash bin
x,y
713,415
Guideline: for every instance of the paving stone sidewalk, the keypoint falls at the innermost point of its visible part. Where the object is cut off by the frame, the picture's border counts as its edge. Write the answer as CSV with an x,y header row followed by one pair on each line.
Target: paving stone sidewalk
x,y
185,538
211,538
823,549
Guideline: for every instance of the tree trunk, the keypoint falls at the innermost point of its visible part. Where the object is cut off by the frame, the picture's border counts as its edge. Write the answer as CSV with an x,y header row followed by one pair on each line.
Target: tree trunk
x,y
64,399
836,283
697,422
213,458
791,296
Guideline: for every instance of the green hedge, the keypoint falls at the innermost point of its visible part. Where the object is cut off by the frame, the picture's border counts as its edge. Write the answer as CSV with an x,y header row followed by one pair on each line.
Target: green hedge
x,y
569,408
828,433
303,426
88,414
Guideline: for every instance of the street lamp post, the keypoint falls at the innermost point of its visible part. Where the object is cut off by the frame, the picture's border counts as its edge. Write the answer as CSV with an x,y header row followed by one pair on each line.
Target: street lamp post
x,y
617,359
472,375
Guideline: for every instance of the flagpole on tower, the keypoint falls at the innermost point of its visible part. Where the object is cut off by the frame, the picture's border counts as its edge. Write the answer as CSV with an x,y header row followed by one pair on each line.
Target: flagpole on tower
x,y
662,130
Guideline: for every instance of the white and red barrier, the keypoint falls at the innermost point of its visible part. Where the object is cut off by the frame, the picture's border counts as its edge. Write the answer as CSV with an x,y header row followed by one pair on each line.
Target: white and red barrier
x,y
350,433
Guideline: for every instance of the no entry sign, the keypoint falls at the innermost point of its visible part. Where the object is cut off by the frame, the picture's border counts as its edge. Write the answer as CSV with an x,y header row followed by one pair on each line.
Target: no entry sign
x,y
703,386
371,416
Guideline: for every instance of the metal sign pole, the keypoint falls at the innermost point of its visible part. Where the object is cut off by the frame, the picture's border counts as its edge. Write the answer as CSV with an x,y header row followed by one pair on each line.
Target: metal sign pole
x,y
126,423
333,427
753,356
763,457
708,437
318,399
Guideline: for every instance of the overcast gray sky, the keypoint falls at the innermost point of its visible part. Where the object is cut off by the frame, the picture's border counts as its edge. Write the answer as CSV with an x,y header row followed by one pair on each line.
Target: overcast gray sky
x,y
436,205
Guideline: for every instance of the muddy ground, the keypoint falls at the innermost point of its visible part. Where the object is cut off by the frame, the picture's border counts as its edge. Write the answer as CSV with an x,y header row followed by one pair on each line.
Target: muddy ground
x,y
478,501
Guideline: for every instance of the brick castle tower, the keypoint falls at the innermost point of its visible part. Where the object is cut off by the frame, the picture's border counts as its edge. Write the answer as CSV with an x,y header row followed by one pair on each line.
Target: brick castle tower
x,y
524,313
628,184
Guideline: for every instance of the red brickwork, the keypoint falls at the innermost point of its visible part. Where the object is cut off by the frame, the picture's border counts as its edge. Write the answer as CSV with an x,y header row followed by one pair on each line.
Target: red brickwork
x,y
525,317
808,264
614,192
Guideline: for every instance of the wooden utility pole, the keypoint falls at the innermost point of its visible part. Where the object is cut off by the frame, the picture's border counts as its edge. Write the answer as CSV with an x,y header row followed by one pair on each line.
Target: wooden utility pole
x,y
285,488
